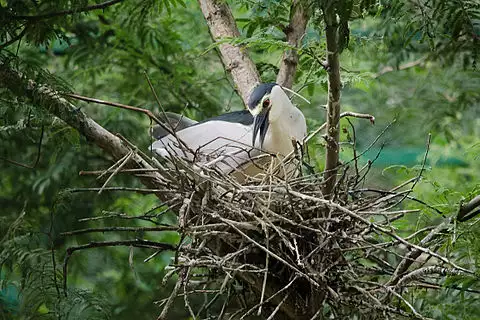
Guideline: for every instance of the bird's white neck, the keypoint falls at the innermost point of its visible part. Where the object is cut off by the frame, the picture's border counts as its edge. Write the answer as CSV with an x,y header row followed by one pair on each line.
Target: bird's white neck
x,y
286,122
282,130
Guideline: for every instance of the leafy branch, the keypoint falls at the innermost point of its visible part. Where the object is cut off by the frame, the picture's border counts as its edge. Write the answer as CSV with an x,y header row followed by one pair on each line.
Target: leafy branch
x,y
49,15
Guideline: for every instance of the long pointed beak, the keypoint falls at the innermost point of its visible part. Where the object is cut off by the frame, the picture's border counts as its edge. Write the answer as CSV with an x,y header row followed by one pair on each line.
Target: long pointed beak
x,y
260,126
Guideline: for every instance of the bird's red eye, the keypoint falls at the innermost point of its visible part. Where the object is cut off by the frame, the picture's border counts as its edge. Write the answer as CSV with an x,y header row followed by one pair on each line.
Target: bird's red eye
x,y
266,103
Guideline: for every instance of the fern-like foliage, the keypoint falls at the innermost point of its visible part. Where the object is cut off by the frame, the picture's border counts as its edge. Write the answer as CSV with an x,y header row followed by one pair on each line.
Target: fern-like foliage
x,y
31,280
17,113
450,30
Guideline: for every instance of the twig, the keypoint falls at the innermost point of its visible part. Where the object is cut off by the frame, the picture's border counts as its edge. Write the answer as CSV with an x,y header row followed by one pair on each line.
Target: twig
x,y
430,285
112,167
466,211
126,189
134,243
285,288
317,314
354,148
14,39
401,67
415,312
122,163
49,15
262,295
185,296
172,296
100,172
375,140
342,115
118,229
37,159
274,312
393,195
312,281
424,161
117,105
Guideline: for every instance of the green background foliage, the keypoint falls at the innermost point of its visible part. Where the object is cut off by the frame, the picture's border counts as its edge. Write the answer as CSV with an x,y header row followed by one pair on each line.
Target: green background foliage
x,y
412,62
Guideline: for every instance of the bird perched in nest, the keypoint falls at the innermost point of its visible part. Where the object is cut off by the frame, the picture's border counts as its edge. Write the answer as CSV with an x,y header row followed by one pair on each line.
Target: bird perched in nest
x,y
234,142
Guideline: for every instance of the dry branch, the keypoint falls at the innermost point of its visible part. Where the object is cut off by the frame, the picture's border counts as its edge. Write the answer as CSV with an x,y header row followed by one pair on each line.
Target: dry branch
x,y
467,210
117,105
130,243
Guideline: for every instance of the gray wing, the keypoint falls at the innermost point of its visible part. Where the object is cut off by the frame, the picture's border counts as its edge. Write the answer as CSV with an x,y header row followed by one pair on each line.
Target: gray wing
x,y
220,144
173,121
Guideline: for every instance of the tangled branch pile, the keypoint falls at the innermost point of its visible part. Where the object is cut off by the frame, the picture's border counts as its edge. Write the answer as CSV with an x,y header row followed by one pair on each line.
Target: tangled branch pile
x,y
280,249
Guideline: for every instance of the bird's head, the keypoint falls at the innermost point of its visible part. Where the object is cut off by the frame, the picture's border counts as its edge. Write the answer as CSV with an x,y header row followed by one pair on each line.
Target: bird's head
x,y
267,103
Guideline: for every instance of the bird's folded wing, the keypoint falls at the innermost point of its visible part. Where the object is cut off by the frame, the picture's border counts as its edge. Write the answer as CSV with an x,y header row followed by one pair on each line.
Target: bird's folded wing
x,y
225,145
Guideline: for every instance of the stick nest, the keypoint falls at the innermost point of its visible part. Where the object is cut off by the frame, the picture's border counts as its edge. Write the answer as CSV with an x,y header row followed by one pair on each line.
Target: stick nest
x,y
279,249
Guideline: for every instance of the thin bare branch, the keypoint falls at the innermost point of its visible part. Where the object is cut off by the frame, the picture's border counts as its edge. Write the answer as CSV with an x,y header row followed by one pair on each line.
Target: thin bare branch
x,y
466,211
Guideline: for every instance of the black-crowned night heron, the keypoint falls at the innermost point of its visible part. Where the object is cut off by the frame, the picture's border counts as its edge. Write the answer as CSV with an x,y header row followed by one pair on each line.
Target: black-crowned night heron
x,y
233,142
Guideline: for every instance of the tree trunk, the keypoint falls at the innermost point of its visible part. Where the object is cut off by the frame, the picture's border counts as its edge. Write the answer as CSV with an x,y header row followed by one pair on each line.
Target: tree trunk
x,y
235,59
333,104
294,32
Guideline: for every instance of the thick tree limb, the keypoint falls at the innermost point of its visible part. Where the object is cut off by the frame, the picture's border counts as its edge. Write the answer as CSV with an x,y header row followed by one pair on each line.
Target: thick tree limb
x,y
51,101
294,32
222,26
333,104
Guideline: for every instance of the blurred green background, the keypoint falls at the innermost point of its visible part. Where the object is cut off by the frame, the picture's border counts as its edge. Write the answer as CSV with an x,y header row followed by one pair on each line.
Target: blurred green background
x,y
397,66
